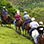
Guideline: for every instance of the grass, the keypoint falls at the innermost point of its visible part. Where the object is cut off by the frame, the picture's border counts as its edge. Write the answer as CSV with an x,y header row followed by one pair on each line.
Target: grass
x,y
9,36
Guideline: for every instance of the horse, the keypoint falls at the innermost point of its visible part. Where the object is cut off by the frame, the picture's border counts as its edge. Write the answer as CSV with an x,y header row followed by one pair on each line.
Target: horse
x,y
27,27
7,19
41,39
19,24
34,33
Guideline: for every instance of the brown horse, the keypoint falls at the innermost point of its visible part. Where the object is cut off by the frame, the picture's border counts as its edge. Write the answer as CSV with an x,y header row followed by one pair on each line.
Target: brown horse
x,y
19,24
7,19
41,39
27,27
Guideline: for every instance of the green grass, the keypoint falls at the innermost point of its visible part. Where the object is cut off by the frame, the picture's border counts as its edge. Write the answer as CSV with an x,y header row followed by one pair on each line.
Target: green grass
x,y
9,36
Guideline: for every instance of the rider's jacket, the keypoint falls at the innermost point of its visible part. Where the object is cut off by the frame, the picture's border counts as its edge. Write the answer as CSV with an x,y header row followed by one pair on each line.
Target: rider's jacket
x,y
26,16
4,12
17,17
34,24
40,29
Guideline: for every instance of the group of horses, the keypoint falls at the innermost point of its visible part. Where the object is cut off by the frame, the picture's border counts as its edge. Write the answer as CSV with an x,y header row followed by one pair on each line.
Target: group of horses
x,y
8,20
27,28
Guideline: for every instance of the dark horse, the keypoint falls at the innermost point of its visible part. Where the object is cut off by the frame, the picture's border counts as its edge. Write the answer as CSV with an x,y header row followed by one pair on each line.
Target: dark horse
x,y
19,24
41,39
7,20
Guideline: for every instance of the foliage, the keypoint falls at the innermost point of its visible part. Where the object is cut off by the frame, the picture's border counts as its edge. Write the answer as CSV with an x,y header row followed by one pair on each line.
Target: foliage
x,y
26,4
35,8
38,13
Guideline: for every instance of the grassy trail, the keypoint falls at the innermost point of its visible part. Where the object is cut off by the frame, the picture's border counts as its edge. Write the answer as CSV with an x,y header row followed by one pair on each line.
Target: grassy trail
x,y
9,36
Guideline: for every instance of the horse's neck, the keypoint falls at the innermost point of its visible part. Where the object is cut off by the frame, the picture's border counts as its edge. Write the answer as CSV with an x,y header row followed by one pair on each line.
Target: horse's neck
x,y
41,35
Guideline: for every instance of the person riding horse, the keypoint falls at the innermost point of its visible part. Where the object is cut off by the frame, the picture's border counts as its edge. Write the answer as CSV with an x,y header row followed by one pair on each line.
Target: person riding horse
x,y
3,13
40,28
27,19
17,17
34,25
41,33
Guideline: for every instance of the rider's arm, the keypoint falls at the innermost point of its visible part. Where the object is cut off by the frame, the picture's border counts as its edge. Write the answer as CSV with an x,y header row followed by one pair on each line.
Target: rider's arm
x,y
29,17
37,24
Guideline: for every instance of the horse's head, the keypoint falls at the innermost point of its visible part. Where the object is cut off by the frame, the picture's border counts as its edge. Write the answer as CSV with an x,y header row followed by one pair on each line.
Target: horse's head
x,y
41,39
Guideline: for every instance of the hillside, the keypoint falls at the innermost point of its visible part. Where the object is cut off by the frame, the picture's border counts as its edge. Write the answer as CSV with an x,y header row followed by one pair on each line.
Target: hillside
x,y
9,36
27,3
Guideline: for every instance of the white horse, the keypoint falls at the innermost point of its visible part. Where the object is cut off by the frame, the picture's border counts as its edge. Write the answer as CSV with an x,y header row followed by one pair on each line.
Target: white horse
x,y
34,34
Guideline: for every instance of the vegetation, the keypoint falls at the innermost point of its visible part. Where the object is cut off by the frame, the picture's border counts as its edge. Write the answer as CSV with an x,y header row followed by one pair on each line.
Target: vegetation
x,y
35,8
27,3
38,13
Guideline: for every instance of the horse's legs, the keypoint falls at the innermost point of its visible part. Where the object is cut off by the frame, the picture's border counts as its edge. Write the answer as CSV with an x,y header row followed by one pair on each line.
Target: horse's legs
x,y
25,32
28,31
1,23
16,28
19,29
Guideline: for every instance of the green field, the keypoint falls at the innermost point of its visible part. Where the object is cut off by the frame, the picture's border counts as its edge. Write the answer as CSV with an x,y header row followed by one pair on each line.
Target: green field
x,y
9,36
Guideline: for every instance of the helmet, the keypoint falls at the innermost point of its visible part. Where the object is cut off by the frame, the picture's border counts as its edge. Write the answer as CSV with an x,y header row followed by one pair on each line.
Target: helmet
x,y
33,19
40,22
25,12
3,6
17,11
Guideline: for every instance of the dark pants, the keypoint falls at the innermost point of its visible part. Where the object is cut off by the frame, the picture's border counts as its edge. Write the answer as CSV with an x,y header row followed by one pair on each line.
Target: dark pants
x,y
26,21
1,17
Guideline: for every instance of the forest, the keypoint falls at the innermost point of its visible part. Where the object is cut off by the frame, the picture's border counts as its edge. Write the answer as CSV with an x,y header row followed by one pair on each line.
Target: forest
x,y
35,8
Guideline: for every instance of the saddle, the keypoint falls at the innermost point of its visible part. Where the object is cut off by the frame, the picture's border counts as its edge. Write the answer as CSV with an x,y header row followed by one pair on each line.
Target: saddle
x,y
18,22
5,17
27,26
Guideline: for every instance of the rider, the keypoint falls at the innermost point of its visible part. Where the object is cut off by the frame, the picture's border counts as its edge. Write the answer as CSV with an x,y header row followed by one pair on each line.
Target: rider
x,y
27,19
3,12
34,25
40,28
17,17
